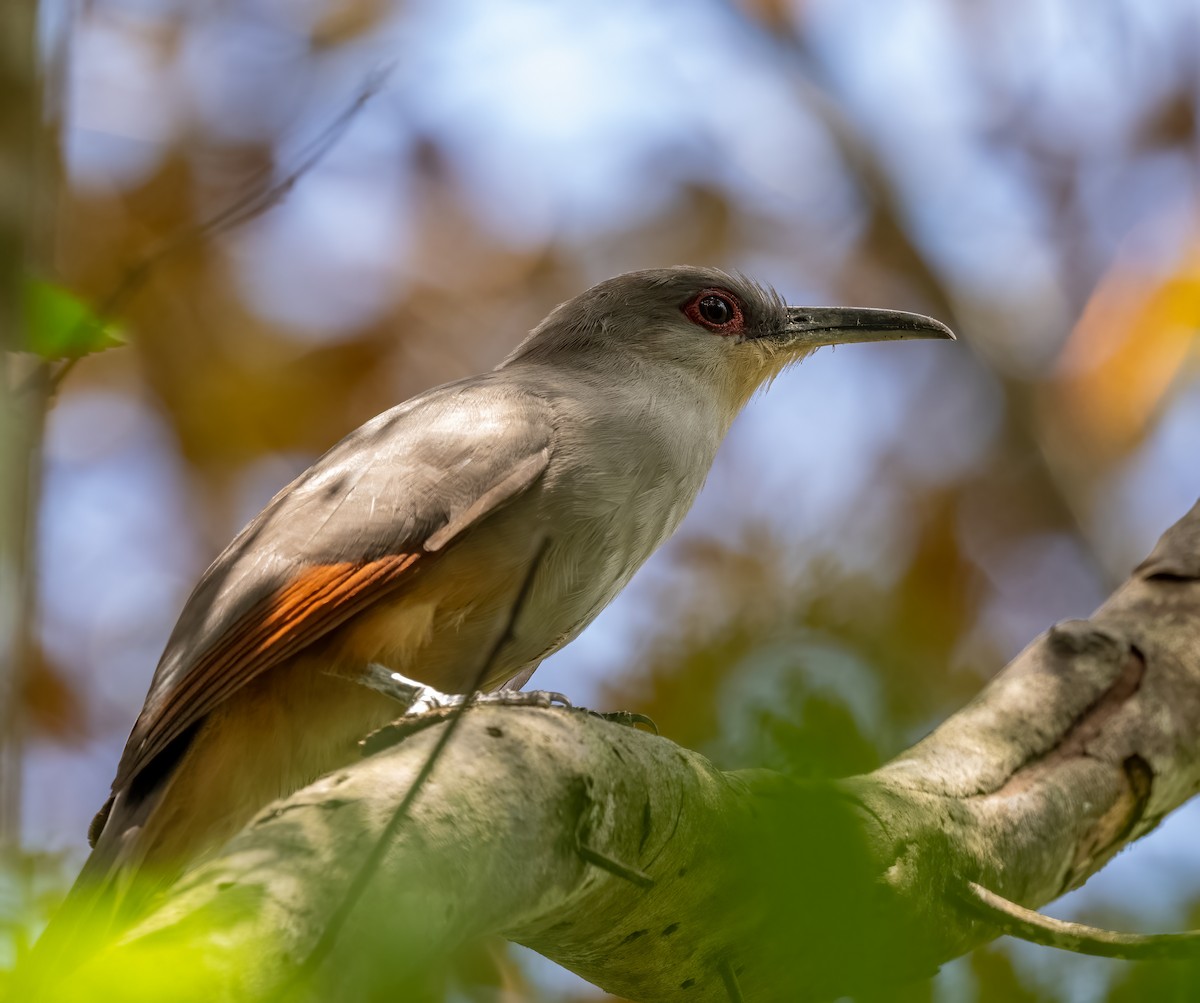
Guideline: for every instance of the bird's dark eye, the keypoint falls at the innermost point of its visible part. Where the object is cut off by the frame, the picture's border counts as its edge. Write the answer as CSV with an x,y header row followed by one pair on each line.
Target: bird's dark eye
x,y
716,309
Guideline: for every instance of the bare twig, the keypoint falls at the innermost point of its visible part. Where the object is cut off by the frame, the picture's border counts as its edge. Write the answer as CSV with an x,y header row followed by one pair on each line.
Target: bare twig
x,y
607,863
249,206
1026,924
729,977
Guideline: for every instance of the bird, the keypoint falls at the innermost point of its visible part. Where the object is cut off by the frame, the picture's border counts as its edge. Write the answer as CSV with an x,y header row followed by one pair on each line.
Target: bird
x,y
403,548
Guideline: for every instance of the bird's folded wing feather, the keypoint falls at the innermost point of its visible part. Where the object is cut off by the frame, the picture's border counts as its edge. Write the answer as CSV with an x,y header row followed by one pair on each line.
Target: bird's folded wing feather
x,y
369,514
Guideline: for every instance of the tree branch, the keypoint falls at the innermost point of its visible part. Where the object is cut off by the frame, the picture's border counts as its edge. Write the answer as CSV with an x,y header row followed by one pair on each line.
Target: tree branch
x,y
1078,937
756,886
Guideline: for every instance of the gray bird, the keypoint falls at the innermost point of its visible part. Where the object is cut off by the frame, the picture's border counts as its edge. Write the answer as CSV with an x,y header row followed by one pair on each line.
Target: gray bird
x,y
404,547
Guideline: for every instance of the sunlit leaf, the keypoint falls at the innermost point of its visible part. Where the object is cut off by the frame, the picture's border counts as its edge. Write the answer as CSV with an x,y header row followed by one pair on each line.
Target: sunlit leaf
x,y
60,325
51,701
1131,343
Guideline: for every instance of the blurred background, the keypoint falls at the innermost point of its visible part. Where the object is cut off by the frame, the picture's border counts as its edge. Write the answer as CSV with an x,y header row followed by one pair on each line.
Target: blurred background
x,y
883,530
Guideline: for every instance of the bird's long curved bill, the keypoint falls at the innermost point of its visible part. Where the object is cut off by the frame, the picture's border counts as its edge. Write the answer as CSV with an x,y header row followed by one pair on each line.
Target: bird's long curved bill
x,y
816,326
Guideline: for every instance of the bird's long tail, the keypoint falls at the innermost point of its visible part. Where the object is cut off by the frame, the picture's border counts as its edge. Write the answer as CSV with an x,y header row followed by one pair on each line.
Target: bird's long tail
x,y
109,892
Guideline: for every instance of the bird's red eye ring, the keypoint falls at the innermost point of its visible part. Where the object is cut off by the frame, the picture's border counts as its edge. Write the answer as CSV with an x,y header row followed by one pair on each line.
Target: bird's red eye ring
x,y
716,309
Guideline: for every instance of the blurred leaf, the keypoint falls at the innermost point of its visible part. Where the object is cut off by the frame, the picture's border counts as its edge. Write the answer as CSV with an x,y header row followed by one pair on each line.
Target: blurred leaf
x,y
1163,982
804,844
91,966
1132,341
935,600
821,738
777,16
50,701
60,325
345,20
999,980
1171,124
488,970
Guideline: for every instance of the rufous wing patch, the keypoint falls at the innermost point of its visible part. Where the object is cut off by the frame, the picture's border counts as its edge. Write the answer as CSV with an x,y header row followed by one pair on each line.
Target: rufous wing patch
x,y
314,602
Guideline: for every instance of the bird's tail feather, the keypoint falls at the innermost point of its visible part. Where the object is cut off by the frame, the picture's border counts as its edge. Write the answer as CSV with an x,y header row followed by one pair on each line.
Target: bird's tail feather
x,y
108,893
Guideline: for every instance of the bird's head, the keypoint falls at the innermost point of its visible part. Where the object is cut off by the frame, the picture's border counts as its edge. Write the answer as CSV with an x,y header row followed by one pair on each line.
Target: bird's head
x,y
723,330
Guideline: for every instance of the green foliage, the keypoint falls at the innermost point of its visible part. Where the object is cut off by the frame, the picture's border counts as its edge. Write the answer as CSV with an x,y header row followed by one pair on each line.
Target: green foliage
x,y
84,955
59,325
805,853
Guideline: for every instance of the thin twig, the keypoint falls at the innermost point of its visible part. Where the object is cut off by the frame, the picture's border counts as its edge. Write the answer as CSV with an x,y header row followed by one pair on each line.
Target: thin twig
x,y
249,206
613,866
370,865
1026,924
728,976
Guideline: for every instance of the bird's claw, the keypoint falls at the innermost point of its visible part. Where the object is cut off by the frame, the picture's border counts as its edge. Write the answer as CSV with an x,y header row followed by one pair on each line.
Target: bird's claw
x,y
628,718
427,700
523,698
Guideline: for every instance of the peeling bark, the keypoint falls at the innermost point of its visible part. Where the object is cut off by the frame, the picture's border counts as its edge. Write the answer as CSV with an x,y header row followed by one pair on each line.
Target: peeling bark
x,y
640,866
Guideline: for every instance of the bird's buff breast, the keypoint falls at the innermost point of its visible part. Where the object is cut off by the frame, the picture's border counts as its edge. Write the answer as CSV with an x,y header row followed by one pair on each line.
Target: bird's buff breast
x,y
442,627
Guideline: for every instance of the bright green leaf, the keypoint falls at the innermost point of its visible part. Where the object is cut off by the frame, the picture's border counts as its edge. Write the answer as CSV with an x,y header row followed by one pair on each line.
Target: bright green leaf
x,y
59,325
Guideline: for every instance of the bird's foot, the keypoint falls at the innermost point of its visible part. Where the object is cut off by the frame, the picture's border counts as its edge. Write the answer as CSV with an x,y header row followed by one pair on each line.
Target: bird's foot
x,y
425,706
417,698
414,697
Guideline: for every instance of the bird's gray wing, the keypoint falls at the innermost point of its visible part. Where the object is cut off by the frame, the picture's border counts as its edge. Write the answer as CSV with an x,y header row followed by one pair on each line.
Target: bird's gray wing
x,y
372,512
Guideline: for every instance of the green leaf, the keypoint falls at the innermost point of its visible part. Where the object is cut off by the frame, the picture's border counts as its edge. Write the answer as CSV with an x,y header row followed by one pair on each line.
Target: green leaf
x,y
59,325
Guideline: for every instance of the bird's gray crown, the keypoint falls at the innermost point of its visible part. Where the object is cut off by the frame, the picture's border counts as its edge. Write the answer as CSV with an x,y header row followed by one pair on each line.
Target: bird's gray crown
x,y
640,310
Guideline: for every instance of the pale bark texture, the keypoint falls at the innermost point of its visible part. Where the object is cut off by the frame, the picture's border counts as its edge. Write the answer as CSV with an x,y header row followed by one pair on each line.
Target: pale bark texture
x,y
640,866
